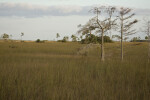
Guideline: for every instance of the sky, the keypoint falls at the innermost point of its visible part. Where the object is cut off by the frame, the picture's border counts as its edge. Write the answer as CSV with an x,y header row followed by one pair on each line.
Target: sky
x,y
42,19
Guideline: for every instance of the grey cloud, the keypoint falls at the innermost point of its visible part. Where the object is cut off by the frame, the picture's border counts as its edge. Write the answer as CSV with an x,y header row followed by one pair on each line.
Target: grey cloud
x,y
28,10
145,12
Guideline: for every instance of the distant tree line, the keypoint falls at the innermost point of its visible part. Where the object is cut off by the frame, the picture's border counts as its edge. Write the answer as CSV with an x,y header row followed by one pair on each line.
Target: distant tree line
x,y
6,36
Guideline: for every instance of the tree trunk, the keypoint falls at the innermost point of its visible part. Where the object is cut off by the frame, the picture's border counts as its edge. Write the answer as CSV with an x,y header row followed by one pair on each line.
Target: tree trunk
x,y
110,35
121,47
149,48
102,46
21,38
90,33
102,40
121,40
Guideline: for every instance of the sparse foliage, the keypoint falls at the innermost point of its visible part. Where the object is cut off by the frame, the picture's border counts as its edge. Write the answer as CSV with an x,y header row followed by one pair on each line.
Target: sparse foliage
x,y
87,28
22,34
125,25
74,38
65,39
5,36
104,25
57,35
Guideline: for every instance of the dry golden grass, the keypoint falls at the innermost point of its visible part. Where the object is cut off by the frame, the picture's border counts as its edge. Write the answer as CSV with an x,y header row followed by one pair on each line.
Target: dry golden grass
x,y
53,71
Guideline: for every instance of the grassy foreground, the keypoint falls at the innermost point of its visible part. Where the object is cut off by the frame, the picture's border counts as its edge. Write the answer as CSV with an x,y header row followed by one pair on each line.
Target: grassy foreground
x,y
54,71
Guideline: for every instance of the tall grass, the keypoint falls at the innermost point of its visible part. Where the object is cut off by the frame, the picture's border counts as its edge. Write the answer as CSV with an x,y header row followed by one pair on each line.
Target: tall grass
x,y
53,71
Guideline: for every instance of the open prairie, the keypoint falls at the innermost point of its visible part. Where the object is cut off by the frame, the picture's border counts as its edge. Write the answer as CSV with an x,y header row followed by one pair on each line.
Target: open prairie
x,y
55,71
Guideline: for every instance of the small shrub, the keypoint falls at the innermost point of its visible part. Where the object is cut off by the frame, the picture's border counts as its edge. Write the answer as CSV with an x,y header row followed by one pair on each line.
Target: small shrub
x,y
59,40
39,41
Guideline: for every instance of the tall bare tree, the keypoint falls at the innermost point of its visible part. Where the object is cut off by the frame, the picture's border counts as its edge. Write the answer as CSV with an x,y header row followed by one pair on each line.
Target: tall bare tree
x,y
105,24
125,24
147,31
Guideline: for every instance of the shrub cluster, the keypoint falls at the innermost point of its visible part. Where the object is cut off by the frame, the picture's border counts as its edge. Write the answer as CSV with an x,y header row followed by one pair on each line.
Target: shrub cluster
x,y
65,39
95,39
39,41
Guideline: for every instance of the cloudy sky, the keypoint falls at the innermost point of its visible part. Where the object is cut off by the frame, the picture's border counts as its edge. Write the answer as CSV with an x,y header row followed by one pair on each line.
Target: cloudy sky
x,y
44,18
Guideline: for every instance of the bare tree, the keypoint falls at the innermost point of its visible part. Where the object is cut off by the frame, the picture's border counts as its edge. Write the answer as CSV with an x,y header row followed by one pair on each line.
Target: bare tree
x,y
147,31
125,24
105,24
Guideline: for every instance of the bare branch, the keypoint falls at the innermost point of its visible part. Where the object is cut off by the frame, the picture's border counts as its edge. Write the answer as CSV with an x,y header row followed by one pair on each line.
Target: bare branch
x,y
129,16
130,32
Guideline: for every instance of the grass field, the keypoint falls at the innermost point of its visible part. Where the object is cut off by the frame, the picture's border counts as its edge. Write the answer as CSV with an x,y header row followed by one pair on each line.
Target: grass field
x,y
54,71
